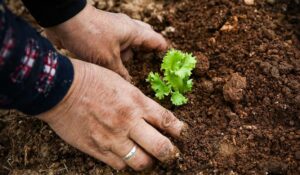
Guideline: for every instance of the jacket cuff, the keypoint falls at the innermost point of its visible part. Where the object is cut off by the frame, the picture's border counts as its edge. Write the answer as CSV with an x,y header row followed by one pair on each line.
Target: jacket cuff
x,y
46,101
34,77
49,13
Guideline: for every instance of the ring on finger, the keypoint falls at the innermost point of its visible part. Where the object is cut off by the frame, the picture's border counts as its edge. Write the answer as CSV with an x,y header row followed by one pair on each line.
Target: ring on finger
x,y
130,154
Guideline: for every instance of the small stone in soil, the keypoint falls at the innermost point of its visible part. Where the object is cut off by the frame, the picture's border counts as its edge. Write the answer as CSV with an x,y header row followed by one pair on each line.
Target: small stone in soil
x,y
291,123
226,149
207,86
249,2
231,115
271,1
227,27
168,30
275,72
211,41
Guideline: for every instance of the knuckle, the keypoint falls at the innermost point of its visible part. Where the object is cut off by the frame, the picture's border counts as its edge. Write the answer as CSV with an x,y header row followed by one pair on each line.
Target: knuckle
x,y
94,134
104,150
163,149
126,118
103,147
168,119
126,114
138,97
136,93
119,130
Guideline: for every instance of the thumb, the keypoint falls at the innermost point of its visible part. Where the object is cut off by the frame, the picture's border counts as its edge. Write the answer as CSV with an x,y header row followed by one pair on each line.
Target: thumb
x,y
127,55
147,38
120,69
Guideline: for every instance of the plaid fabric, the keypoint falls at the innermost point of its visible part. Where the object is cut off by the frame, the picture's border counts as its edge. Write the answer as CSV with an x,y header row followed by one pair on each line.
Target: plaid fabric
x,y
46,78
27,62
33,76
7,45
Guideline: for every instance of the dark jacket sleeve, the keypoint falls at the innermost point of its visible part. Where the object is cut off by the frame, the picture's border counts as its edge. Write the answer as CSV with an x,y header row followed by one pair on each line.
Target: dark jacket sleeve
x,y
34,77
49,13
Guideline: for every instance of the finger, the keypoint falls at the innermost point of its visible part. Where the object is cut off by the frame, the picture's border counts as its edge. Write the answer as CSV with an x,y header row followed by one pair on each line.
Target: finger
x,y
126,55
120,69
149,40
108,158
96,148
153,142
147,26
164,119
140,161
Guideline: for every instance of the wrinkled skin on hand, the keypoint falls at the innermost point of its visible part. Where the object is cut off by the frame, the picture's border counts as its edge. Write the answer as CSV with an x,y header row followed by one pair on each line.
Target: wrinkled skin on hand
x,y
105,116
105,38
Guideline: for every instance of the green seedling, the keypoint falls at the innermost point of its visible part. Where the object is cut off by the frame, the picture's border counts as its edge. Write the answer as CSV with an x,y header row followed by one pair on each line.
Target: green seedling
x,y
177,68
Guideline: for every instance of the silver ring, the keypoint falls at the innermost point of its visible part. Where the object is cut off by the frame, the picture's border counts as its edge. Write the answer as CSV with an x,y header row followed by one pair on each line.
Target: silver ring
x,y
130,154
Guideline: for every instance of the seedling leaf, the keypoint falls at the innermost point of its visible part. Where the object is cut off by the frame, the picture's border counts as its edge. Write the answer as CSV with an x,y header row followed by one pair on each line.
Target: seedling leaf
x,y
178,99
160,87
177,68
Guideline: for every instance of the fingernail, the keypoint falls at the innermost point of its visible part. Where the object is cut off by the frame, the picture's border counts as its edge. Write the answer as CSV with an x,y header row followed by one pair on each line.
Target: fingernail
x,y
174,155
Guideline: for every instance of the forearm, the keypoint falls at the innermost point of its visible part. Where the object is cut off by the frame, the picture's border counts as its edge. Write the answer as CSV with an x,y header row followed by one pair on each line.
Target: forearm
x,y
33,76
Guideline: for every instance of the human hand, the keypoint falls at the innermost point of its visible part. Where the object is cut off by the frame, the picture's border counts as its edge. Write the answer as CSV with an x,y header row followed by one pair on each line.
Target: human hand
x,y
105,38
105,116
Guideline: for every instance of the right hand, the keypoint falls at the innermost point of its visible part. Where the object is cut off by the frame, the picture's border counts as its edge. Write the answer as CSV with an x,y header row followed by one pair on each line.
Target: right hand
x,y
105,38
105,116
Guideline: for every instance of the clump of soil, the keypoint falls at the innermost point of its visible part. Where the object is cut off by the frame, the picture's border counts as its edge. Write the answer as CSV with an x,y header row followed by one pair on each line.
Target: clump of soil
x,y
202,64
233,90
243,112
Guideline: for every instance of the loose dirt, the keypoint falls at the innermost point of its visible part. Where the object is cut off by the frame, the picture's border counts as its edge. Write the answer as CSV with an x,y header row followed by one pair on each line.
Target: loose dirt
x,y
244,110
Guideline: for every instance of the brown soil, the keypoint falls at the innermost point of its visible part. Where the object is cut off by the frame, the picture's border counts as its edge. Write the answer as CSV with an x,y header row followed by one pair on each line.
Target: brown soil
x,y
244,110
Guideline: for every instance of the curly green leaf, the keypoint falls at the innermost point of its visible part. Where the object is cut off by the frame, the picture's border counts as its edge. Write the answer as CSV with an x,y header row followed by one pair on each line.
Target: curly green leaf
x,y
160,88
178,99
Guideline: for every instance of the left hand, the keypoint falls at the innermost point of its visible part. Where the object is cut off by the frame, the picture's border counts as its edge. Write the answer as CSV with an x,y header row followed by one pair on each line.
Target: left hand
x,y
105,38
105,116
